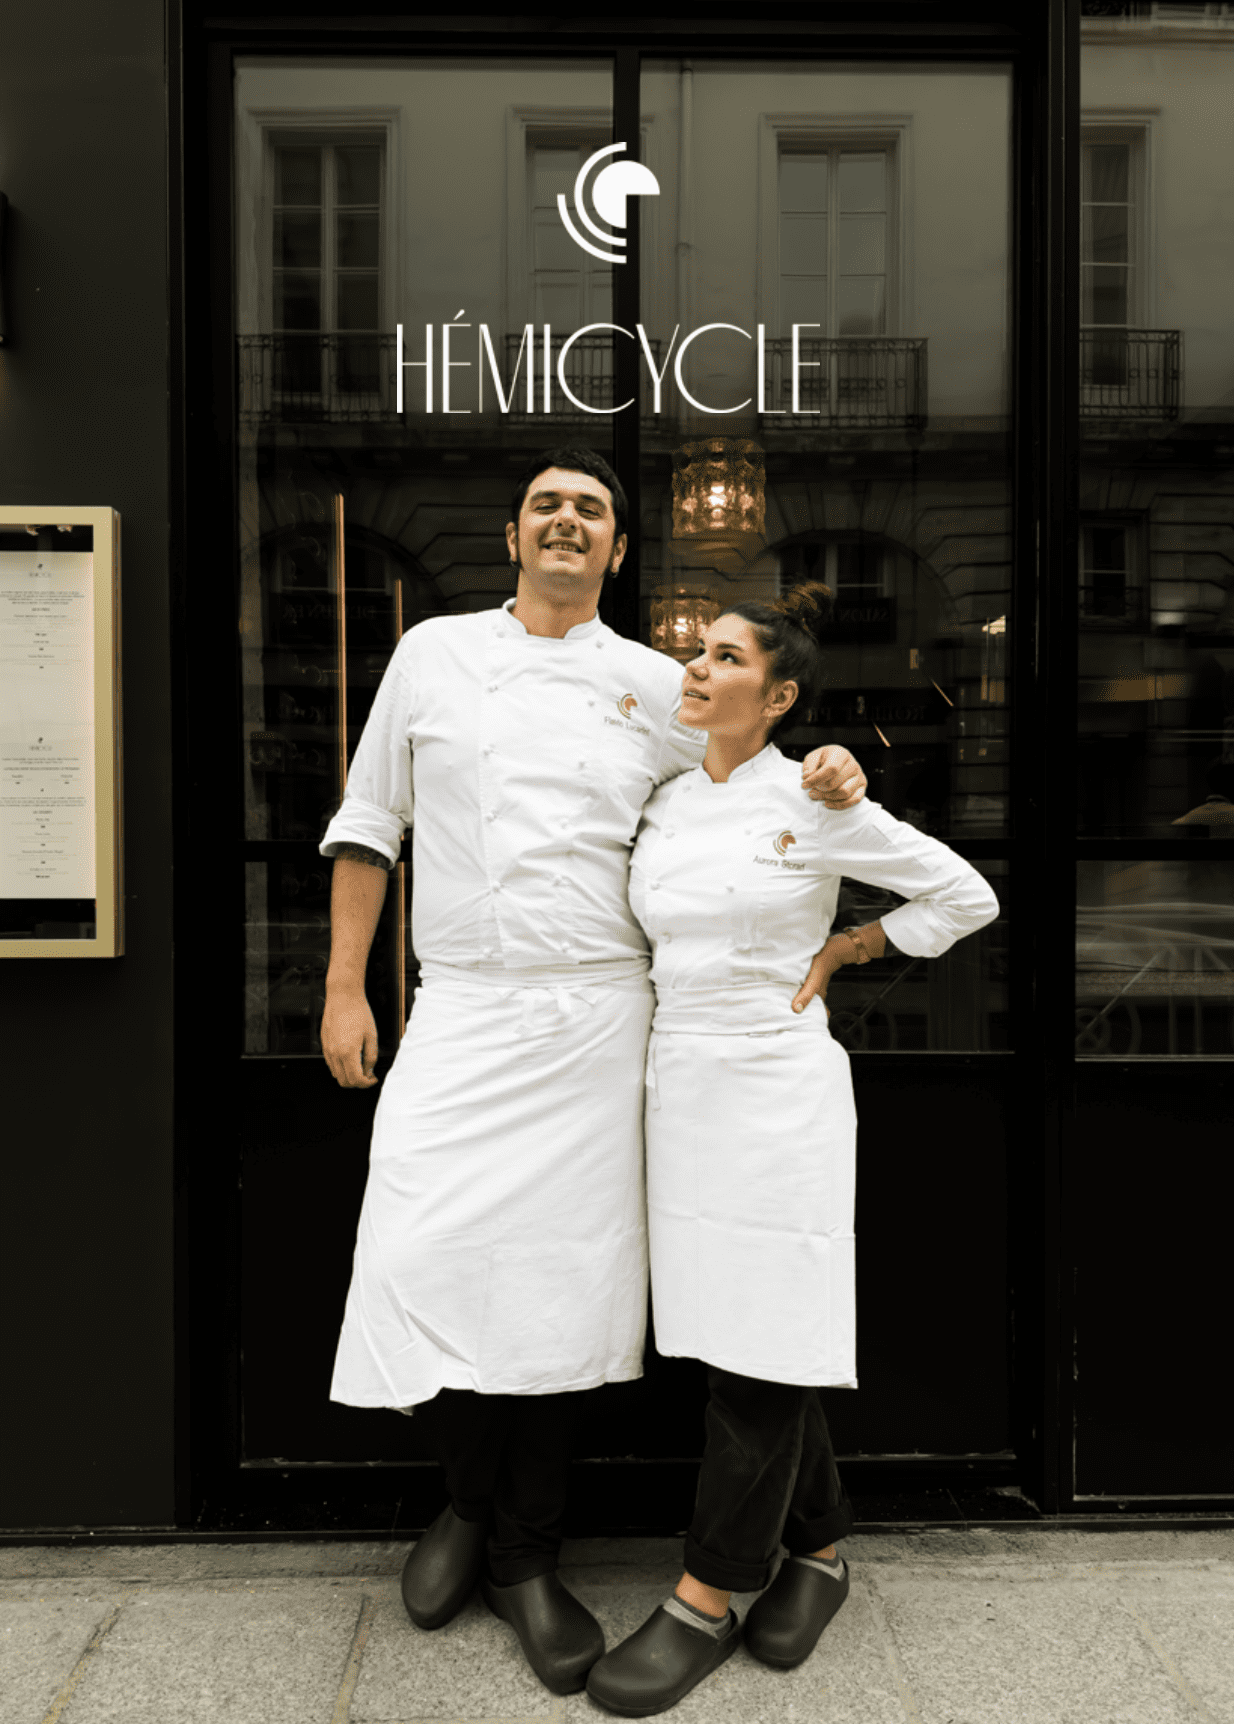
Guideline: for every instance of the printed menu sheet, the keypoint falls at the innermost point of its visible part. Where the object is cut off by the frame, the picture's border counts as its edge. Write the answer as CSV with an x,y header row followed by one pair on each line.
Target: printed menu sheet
x,y
46,724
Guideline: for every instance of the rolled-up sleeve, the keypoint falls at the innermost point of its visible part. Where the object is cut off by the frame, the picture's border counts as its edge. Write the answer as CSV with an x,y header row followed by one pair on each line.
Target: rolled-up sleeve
x,y
378,804
948,898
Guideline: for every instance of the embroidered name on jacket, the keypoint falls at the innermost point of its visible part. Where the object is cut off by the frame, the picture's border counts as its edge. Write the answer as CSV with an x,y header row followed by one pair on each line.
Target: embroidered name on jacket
x,y
627,706
781,844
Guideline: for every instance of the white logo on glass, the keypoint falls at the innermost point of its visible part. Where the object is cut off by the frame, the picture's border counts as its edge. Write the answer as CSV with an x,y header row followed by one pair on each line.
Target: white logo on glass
x,y
609,191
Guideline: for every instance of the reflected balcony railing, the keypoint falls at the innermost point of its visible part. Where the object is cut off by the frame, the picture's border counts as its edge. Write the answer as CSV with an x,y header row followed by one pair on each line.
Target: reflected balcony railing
x,y
1130,373
342,379
589,372
339,379
873,382
1149,980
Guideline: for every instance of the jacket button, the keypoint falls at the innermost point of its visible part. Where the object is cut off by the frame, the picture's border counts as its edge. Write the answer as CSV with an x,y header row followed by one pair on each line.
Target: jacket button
x,y
730,887
492,688
491,815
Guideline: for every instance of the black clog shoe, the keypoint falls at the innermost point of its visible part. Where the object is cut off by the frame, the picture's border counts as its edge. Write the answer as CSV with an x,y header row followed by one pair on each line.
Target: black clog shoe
x,y
784,1624
441,1572
659,1664
561,1639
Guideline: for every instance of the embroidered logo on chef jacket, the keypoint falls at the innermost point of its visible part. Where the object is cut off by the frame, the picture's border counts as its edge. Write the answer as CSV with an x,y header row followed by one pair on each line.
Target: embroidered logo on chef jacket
x,y
780,844
627,706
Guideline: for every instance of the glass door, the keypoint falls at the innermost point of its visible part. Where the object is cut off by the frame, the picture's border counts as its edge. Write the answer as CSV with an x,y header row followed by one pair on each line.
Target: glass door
x,y
791,328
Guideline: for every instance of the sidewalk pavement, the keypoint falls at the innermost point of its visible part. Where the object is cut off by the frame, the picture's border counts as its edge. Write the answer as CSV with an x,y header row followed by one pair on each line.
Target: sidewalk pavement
x,y
941,1627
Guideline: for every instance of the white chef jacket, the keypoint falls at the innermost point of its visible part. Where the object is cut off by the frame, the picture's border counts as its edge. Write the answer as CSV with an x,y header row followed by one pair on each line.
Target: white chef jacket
x,y
737,883
751,1129
522,764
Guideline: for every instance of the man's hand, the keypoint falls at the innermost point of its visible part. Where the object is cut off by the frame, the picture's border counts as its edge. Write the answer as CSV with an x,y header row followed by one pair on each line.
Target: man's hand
x,y
348,1029
349,1040
831,775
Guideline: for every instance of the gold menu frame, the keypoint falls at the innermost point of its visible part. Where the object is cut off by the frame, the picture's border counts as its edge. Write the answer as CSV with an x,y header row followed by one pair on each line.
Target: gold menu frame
x,y
108,941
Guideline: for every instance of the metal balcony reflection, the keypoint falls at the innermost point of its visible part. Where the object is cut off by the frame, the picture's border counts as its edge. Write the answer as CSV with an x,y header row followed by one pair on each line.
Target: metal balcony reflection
x,y
1130,373
292,379
865,382
315,378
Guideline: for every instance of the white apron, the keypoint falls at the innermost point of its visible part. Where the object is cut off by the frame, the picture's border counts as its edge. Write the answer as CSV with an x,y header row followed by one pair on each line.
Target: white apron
x,y
501,1244
751,1171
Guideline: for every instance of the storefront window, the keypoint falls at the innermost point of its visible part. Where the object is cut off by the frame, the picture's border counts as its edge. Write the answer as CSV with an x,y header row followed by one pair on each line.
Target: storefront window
x,y
1156,577
429,258
1155,940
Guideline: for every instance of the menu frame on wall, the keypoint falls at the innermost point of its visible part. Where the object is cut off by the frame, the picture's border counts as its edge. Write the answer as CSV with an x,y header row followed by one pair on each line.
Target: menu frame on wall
x,y
102,757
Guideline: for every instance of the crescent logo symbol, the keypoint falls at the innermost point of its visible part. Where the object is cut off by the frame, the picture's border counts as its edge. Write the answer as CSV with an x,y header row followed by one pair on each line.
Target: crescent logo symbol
x,y
626,705
609,191
782,843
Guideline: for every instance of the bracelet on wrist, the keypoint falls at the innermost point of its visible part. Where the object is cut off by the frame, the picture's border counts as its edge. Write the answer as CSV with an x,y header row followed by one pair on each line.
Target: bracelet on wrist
x,y
864,954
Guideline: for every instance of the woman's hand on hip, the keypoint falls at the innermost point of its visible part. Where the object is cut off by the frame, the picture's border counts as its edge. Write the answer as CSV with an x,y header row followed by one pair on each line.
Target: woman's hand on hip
x,y
825,965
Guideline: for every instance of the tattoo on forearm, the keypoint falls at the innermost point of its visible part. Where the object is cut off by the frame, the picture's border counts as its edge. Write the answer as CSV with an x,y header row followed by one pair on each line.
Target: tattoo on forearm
x,y
362,853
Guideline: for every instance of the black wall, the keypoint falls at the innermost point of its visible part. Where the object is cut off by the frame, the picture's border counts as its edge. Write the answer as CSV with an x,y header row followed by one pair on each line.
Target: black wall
x,y
86,1044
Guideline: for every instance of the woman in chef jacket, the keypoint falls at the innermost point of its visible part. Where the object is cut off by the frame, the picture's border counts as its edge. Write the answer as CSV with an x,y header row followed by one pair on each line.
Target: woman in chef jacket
x,y
751,1137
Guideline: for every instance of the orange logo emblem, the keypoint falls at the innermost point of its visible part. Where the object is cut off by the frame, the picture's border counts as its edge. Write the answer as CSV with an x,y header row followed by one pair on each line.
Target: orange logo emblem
x,y
783,842
626,705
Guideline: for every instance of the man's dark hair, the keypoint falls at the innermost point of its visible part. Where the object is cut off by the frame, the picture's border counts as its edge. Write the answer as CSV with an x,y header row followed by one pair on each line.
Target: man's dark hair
x,y
578,460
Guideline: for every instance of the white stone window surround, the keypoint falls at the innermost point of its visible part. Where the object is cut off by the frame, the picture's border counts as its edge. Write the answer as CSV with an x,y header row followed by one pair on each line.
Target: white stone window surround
x,y
794,131
260,131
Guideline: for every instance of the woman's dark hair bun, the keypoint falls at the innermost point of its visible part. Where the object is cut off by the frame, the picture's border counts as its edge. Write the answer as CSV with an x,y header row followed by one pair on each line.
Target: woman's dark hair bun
x,y
788,631
808,605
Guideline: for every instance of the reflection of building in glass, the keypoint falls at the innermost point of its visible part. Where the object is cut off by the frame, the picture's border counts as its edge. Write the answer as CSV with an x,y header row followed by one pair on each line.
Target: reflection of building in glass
x,y
1156,579
1155,960
855,333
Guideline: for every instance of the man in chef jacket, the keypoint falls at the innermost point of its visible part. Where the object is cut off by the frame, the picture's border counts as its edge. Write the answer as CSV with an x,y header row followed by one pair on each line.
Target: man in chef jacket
x,y
500,1265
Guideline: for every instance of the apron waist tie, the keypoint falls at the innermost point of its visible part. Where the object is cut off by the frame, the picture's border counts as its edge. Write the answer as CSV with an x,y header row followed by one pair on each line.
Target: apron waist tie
x,y
760,1010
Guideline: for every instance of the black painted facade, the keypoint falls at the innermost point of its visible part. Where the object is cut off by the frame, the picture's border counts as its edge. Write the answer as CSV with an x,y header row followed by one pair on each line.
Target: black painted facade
x,y
1041,1274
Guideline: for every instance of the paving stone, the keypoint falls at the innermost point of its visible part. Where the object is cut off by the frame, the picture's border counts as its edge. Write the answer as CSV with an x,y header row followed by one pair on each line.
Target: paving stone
x,y
226,1655
471,1668
40,1643
182,1563
1026,1646
1191,1616
997,1628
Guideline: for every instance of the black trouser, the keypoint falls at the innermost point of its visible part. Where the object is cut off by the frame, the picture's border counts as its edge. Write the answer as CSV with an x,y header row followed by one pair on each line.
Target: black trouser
x,y
768,1475
507,1461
